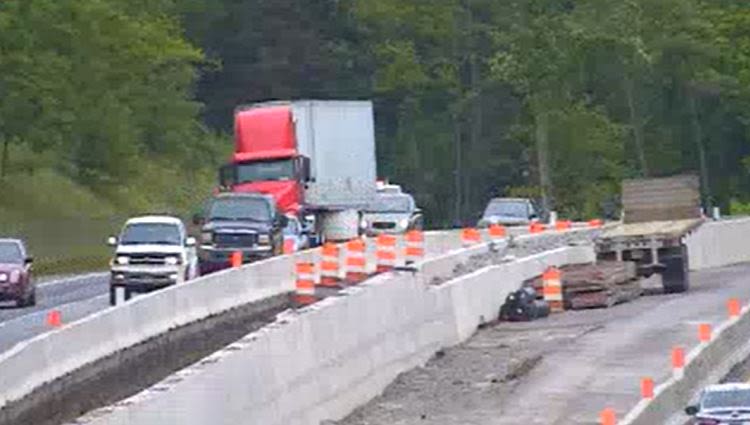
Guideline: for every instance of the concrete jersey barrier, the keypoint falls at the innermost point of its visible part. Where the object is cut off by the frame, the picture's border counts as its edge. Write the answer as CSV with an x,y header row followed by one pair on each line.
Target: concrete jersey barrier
x,y
705,364
719,243
323,361
40,360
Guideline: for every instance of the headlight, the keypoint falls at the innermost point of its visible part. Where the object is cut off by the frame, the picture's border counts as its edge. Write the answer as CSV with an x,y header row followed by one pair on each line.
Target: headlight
x,y
122,260
404,223
363,223
172,261
207,237
3,277
264,239
15,276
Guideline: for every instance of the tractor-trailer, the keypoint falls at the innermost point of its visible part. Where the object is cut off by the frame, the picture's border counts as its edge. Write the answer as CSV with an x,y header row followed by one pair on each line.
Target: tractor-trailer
x,y
658,214
316,158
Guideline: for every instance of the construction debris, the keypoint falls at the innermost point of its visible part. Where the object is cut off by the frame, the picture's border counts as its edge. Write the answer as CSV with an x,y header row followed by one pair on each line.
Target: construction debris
x,y
603,284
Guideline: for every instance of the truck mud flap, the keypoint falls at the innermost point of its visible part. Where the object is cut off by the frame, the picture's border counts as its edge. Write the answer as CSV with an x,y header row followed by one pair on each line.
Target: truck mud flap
x,y
675,275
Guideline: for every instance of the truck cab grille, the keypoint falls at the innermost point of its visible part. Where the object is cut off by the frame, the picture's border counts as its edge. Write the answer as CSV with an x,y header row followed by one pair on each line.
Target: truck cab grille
x,y
235,240
148,259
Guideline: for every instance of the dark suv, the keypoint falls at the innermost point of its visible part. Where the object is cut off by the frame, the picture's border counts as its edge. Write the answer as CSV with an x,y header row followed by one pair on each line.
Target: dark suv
x,y
16,283
231,222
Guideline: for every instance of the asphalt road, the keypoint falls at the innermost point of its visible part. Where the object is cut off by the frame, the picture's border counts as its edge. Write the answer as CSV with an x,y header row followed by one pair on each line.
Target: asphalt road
x,y
75,297
561,370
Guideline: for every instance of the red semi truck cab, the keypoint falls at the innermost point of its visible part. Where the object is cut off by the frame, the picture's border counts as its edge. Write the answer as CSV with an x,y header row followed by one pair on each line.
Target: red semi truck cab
x,y
316,158
266,159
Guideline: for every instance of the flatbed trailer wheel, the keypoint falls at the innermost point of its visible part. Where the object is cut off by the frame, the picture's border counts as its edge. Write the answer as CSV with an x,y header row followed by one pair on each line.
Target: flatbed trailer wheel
x,y
676,276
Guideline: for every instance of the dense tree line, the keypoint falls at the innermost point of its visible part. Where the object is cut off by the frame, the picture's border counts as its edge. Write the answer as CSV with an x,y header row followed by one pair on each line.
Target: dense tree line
x,y
557,99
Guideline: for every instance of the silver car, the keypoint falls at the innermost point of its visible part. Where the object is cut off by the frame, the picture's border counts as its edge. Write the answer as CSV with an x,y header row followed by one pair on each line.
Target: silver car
x,y
724,404
392,213
508,212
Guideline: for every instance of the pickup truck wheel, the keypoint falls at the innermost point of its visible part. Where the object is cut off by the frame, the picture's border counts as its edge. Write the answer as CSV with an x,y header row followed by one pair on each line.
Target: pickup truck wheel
x,y
31,300
112,295
128,294
675,277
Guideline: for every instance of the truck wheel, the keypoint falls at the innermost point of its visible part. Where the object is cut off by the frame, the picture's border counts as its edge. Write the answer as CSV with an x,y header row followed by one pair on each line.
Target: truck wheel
x,y
31,301
128,294
675,277
112,295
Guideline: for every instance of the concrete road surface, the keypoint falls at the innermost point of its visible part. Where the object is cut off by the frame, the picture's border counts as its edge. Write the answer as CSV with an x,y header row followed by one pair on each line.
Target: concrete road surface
x,y
561,370
75,297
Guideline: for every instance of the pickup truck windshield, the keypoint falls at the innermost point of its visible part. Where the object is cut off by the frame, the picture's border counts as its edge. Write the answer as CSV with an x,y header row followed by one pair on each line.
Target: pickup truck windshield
x,y
733,398
507,209
10,253
391,204
240,209
280,170
151,233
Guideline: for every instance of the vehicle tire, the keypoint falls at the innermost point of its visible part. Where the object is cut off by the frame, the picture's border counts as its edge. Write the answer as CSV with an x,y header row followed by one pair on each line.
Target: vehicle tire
x,y
128,294
31,300
112,295
675,277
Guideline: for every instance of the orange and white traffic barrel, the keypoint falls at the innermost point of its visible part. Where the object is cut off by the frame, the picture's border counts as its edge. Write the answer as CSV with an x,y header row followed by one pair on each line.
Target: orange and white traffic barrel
x,y
288,246
414,250
386,254
496,232
553,290
536,228
330,265
356,261
305,284
596,223
470,237
563,225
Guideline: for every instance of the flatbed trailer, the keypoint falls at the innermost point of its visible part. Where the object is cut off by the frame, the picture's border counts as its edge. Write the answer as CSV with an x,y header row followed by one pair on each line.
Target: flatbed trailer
x,y
658,214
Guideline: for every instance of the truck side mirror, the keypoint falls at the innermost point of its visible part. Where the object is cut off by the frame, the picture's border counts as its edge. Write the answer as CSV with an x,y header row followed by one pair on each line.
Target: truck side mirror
x,y
112,241
304,169
29,260
692,410
283,220
227,175
190,242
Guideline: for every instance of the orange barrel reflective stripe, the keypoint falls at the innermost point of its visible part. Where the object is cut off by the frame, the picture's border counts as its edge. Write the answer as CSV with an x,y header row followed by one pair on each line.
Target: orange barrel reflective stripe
x,y
414,250
385,253
329,265
356,261
596,223
470,237
497,231
305,284
552,289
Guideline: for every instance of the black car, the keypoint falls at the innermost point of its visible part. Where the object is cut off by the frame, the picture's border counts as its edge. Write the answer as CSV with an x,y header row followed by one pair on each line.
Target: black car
x,y
244,222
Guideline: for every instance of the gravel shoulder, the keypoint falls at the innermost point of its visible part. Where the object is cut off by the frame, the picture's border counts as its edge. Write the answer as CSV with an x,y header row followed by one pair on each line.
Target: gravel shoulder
x,y
560,370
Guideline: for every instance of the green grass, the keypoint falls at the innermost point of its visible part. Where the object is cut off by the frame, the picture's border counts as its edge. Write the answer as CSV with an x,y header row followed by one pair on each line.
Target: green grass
x,y
66,225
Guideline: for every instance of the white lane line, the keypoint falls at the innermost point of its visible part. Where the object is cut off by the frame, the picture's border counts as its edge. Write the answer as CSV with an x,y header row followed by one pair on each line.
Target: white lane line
x,y
72,279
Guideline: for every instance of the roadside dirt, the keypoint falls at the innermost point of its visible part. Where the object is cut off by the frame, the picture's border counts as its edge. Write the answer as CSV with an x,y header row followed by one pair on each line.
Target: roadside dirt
x,y
468,383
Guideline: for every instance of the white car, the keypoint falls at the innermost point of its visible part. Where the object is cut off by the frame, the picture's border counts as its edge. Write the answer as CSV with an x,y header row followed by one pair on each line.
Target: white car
x,y
723,404
152,252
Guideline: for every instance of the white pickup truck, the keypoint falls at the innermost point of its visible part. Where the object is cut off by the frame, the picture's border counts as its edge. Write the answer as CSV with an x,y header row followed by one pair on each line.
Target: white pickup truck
x,y
152,252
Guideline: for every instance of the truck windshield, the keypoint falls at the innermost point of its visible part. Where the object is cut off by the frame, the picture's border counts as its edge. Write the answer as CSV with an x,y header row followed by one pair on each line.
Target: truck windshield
x,y
279,170
729,398
151,233
10,253
507,209
238,209
391,204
